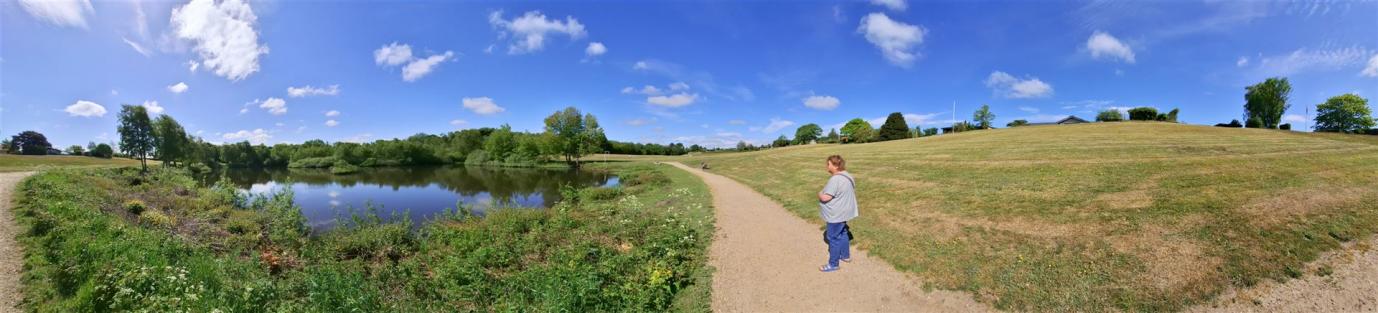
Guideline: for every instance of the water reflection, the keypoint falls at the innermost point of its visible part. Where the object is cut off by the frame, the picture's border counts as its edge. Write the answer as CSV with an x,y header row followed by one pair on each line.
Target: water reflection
x,y
417,191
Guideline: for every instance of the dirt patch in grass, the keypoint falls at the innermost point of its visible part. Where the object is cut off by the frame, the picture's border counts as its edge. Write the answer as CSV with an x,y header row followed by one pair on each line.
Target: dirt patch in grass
x,y
1175,263
1294,202
898,184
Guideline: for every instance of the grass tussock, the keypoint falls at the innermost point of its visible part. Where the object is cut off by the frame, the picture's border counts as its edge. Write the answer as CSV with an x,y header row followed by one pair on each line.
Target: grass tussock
x,y
113,240
1092,217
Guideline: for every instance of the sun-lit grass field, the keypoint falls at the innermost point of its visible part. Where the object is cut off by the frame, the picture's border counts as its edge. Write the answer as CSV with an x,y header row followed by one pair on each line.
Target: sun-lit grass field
x,y
1091,217
22,163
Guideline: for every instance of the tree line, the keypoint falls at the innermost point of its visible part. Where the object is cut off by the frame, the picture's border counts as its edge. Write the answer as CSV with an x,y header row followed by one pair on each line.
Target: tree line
x,y
1267,101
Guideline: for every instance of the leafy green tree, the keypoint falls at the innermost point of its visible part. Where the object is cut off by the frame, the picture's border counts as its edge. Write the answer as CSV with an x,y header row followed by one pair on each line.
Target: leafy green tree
x,y
1254,122
1267,101
102,151
1143,114
573,135
76,150
895,128
1171,116
1348,113
1017,123
857,131
780,142
807,133
136,133
1110,115
832,135
983,117
29,143
170,139
501,144
931,131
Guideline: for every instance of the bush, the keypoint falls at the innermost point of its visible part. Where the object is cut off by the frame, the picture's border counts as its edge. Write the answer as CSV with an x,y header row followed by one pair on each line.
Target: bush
x,y
135,206
1111,115
1017,123
341,167
478,157
317,162
157,219
1254,122
1287,126
1232,124
1143,114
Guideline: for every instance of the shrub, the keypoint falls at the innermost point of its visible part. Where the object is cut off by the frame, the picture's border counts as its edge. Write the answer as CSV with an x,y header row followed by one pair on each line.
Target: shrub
x,y
1143,114
1287,126
1111,115
1232,124
135,206
1017,123
1254,122
317,162
156,219
478,157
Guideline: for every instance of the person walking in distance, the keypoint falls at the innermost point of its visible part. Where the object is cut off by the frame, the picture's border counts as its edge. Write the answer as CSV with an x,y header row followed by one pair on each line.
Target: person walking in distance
x,y
837,205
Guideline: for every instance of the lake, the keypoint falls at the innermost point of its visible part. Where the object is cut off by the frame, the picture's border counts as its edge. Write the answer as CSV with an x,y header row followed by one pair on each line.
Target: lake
x,y
419,191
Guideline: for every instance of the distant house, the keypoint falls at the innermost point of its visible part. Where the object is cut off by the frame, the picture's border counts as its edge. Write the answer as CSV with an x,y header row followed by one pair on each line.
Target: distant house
x,y
1071,119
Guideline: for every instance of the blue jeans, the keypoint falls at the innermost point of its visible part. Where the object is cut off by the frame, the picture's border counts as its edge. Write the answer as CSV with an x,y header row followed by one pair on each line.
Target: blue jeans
x,y
839,246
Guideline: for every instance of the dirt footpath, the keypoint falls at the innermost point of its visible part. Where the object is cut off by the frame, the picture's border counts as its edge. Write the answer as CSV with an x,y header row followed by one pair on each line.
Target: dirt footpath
x,y
767,260
1352,286
11,256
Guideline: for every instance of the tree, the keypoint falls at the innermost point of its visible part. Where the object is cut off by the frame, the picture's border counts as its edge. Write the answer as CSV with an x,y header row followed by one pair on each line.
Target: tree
x,y
1143,114
500,144
573,135
1347,113
983,117
1231,124
931,131
76,150
1111,115
858,130
136,133
29,143
832,135
780,142
1172,116
1267,101
170,139
807,133
1017,123
1254,122
102,151
895,128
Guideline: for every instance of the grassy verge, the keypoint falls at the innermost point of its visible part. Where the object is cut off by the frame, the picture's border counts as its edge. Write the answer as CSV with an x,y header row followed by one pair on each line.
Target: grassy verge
x,y
110,240
1094,217
25,163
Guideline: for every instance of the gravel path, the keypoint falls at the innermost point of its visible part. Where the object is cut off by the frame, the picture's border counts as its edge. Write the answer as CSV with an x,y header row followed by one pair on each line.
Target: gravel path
x,y
767,260
11,255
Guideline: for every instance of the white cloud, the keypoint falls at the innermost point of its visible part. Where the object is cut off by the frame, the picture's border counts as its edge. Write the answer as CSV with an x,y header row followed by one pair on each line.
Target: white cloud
x,y
638,122
85,108
223,33
896,5
332,113
392,54
459,122
895,39
420,67
1293,118
595,49
1009,86
482,106
256,136
1102,44
178,87
822,102
673,101
59,12
276,106
1308,59
641,65
776,124
137,47
530,30
331,123
679,86
1242,62
192,65
360,138
1028,109
303,91
153,107
1372,69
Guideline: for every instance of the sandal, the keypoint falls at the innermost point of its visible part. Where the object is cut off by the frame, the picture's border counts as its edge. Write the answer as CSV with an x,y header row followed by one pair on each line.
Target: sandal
x,y
828,268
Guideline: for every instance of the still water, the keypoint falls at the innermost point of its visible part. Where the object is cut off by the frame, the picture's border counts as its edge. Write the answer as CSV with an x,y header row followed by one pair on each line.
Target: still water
x,y
419,192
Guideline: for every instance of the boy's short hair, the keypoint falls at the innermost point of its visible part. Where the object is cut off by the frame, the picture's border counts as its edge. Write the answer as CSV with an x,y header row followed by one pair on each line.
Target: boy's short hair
x,y
836,160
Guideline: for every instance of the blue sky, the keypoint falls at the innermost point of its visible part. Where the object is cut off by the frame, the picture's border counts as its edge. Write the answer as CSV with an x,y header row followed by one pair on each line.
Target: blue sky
x,y
718,72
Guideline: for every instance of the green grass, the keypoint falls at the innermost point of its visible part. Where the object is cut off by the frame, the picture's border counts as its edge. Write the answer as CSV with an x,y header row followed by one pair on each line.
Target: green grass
x,y
25,163
1092,217
113,240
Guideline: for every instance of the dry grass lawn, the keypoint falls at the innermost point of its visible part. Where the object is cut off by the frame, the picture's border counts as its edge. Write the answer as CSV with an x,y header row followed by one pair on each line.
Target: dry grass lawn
x,y
1091,217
